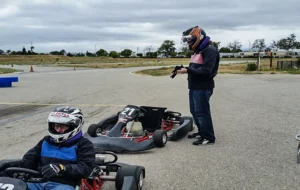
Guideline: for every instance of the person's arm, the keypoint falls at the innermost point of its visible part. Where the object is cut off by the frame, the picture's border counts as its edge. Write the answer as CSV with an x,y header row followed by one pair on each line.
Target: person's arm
x,y
210,56
32,158
85,163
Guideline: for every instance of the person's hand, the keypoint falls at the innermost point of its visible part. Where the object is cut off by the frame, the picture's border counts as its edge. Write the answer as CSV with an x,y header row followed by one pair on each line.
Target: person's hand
x,y
51,170
182,71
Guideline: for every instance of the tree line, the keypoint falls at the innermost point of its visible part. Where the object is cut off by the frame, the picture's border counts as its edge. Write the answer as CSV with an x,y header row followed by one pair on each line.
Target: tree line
x,y
167,49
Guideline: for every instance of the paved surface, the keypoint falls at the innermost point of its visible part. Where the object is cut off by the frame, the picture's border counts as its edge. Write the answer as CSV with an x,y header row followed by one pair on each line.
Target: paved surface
x,y
256,118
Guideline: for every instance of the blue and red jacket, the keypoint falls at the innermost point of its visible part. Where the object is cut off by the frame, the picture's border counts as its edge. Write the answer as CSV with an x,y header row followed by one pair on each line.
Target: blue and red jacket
x,y
78,157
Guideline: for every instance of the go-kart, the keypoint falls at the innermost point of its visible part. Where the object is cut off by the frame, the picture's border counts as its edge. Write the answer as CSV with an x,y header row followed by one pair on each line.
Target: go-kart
x,y
126,177
138,128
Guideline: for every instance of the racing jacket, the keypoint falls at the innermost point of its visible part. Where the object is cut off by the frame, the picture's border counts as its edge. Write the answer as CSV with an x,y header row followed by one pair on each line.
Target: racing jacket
x,y
203,68
78,157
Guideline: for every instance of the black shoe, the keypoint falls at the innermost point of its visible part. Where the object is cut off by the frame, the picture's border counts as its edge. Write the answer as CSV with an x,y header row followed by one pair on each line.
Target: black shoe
x,y
203,142
194,135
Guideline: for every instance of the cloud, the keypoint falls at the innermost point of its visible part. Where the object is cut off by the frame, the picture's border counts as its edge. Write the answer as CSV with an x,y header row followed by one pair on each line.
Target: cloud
x,y
77,26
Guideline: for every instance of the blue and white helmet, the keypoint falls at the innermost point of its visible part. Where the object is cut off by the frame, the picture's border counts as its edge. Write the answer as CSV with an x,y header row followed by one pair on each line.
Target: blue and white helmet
x,y
65,115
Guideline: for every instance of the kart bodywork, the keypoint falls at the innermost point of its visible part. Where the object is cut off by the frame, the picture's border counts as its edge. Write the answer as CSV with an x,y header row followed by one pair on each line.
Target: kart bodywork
x,y
157,126
128,177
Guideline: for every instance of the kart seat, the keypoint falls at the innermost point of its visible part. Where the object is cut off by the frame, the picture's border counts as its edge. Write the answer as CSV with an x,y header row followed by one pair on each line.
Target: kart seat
x,y
151,121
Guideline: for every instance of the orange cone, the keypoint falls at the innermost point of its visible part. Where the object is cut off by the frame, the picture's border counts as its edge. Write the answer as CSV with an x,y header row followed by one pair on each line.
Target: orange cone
x,y
31,69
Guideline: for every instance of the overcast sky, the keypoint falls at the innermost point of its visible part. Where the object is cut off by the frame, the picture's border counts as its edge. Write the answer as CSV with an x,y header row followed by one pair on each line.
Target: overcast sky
x,y
80,25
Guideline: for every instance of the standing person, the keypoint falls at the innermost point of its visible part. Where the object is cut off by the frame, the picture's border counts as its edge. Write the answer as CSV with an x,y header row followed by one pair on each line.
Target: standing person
x,y
201,71
64,156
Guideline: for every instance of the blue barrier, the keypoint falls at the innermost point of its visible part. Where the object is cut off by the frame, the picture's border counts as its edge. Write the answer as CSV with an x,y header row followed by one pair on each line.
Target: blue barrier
x,y
6,81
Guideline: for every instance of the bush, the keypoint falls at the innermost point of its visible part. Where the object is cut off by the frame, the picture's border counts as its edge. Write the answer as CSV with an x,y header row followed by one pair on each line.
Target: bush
x,y
298,62
251,67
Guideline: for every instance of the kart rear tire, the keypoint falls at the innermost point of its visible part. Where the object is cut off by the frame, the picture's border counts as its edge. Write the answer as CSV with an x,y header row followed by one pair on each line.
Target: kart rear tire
x,y
160,138
188,118
94,129
137,172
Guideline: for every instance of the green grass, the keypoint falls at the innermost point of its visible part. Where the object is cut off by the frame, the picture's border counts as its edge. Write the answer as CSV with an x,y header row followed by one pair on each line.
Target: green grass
x,y
7,70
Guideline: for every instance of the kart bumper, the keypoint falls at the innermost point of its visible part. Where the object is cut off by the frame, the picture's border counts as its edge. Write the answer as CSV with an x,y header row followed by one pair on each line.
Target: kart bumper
x,y
182,130
118,145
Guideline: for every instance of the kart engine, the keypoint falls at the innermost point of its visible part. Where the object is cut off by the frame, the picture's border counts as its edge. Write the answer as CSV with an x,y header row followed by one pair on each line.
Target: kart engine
x,y
134,128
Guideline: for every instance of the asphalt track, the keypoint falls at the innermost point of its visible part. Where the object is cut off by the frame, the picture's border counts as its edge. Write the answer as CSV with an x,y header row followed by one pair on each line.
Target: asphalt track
x,y
256,118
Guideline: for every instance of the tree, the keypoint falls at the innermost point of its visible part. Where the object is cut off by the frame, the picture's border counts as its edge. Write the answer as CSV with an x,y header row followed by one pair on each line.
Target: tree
x,y
167,47
235,46
287,43
1,51
186,51
126,52
113,54
259,44
173,54
24,50
8,51
89,54
216,44
139,54
31,48
62,52
298,45
274,44
224,50
101,52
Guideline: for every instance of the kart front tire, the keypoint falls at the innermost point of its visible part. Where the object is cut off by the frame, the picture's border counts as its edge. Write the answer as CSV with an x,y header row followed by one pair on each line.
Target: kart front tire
x,y
160,138
135,171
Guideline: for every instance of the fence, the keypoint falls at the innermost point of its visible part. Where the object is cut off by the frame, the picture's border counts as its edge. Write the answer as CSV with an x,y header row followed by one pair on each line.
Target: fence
x,y
287,65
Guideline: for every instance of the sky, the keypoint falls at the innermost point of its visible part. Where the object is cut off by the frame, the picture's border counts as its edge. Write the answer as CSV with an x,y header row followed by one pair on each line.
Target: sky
x,y
89,25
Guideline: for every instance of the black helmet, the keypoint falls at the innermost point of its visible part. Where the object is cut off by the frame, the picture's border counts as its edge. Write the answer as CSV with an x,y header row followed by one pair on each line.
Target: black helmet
x,y
193,37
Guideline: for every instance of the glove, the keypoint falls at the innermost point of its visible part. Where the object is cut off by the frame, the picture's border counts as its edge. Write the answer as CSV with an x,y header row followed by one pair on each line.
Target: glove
x,y
51,170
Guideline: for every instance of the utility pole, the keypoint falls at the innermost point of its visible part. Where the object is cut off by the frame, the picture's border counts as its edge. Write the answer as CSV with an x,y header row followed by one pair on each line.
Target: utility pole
x,y
95,51
249,46
150,51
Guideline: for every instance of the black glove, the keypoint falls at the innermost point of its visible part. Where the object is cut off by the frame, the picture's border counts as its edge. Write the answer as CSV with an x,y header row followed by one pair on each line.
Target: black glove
x,y
51,170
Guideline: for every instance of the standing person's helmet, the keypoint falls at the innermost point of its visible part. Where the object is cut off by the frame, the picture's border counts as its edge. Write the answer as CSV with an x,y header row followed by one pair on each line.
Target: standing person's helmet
x,y
193,36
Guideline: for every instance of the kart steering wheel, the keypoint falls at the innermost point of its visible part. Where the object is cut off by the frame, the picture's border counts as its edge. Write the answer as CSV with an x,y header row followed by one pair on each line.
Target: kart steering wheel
x,y
24,174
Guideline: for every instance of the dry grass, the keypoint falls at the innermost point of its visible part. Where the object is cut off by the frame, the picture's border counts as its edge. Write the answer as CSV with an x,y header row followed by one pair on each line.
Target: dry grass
x,y
108,62
230,68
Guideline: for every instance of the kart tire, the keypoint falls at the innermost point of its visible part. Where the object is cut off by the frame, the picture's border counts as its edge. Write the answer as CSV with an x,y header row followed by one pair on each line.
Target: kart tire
x,y
137,172
94,129
191,121
160,138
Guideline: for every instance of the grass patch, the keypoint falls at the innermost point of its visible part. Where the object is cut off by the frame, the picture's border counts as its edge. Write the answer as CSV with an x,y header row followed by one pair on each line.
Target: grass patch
x,y
108,62
240,68
7,70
